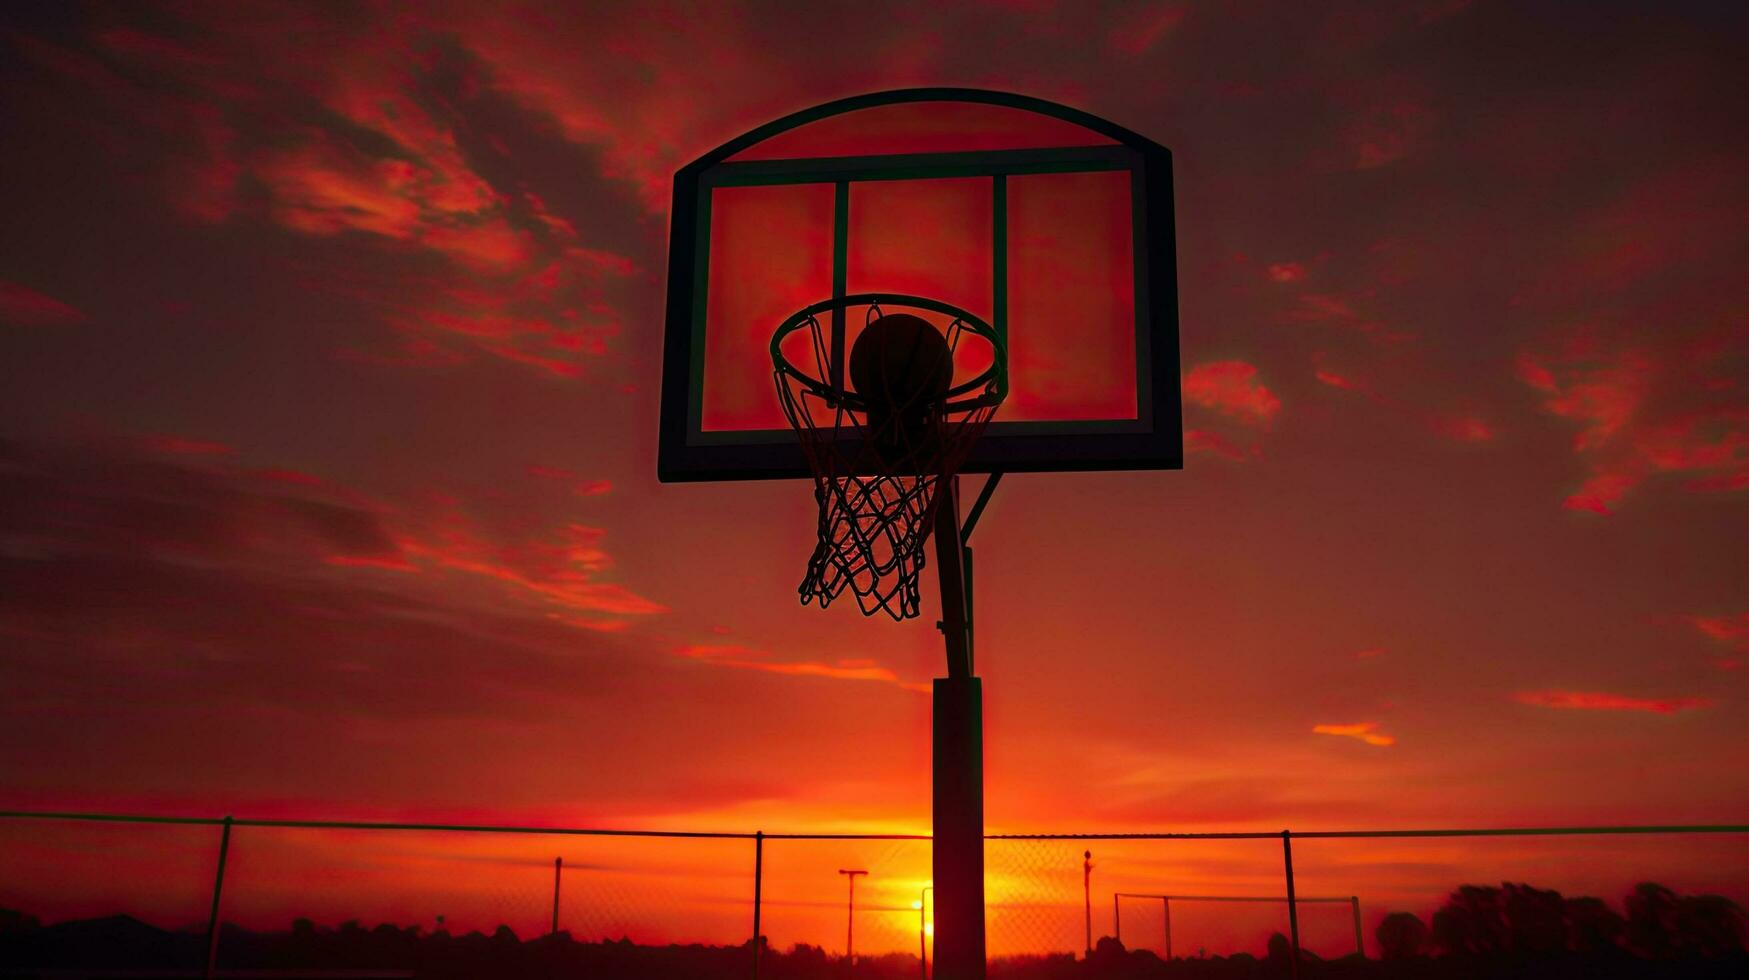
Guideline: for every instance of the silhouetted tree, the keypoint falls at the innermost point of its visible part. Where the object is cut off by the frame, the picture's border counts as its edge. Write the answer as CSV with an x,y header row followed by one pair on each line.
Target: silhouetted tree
x,y
1278,950
14,922
1592,926
1108,953
1471,922
1534,919
1401,936
1651,921
1709,926
806,959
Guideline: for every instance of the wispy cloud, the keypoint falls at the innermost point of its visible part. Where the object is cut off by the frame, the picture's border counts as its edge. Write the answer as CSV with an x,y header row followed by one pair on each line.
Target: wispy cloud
x,y
25,307
746,658
1460,426
1365,731
1732,631
564,568
176,445
1603,701
1136,34
1286,272
578,484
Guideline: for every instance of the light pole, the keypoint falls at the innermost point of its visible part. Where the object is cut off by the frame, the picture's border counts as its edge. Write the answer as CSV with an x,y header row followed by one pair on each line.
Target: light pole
x,y
923,929
850,920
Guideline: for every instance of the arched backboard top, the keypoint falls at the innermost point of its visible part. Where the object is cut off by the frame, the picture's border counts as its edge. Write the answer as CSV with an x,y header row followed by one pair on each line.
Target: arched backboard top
x,y
1050,223
922,127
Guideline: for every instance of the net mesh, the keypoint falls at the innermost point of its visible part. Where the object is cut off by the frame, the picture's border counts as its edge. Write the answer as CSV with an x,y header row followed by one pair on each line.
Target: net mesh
x,y
877,474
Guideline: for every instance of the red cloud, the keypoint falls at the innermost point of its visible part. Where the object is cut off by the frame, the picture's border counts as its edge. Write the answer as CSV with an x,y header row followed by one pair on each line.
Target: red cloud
x,y
1385,133
25,307
1645,411
393,563
1600,494
564,570
1136,34
744,658
1365,731
1287,272
593,625
1336,311
1232,388
184,446
1731,630
354,144
1204,441
206,506
1725,629
1461,427
579,486
1600,701
197,504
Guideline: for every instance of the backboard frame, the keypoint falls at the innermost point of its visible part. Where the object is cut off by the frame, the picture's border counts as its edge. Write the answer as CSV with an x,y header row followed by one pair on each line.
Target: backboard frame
x,y
1153,440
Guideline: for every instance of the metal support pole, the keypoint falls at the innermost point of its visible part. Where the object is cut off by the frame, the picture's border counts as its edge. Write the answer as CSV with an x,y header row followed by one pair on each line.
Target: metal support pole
x,y
971,620
1359,943
958,851
1293,913
212,922
950,569
558,865
1087,895
758,882
1166,910
1116,925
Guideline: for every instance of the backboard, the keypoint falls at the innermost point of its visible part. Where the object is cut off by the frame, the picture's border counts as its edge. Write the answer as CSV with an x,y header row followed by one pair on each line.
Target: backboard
x,y
1053,225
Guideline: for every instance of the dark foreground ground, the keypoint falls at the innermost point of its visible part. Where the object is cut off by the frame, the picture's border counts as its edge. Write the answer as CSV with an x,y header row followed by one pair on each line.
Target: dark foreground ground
x,y
122,946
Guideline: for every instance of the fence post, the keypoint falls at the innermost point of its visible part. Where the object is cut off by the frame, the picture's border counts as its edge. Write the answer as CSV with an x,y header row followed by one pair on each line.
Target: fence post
x,y
758,881
1359,943
1166,920
212,922
1116,923
558,863
1293,913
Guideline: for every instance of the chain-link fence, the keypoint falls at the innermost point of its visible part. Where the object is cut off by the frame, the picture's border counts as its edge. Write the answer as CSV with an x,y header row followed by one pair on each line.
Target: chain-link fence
x,y
199,894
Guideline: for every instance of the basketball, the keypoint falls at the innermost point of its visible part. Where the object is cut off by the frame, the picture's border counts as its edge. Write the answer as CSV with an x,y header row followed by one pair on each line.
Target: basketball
x,y
901,364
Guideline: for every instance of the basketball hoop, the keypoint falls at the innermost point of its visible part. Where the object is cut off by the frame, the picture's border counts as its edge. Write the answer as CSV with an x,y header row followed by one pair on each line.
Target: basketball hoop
x,y
881,445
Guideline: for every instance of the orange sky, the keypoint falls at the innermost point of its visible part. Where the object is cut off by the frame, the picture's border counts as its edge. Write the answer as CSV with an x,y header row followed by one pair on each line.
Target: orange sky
x,y
329,350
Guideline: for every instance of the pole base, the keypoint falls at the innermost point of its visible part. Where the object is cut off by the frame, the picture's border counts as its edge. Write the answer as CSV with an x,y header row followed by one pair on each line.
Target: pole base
x,y
959,829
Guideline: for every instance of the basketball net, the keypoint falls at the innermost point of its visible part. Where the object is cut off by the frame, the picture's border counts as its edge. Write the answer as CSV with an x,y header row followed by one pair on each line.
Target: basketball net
x,y
876,483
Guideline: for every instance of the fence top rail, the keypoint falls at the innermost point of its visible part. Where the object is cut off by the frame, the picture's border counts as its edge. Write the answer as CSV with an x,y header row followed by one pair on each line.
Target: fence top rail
x,y
433,827
1298,899
746,835
1457,832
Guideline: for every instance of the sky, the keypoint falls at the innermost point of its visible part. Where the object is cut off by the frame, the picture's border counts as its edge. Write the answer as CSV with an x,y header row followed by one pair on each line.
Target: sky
x,y
329,371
